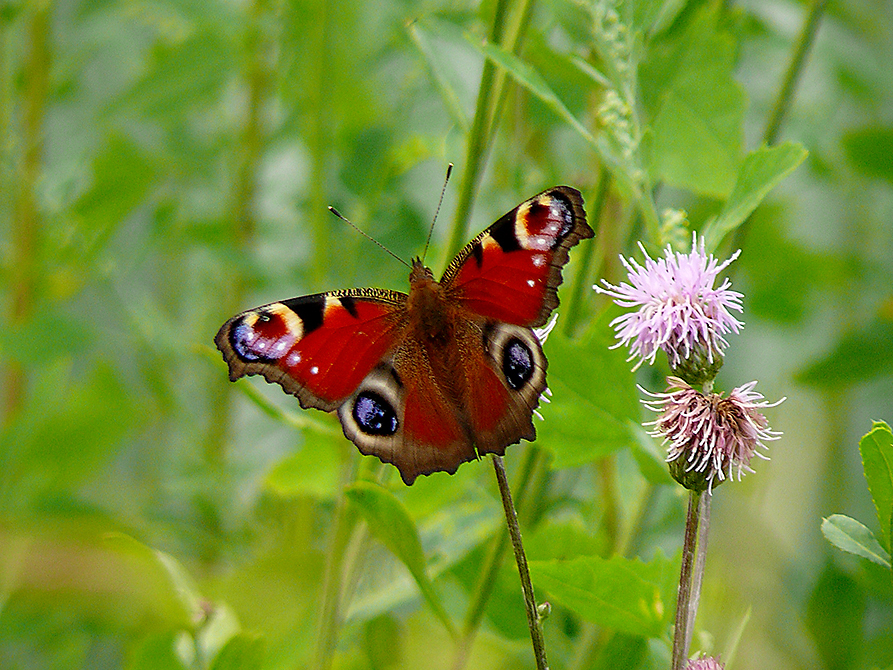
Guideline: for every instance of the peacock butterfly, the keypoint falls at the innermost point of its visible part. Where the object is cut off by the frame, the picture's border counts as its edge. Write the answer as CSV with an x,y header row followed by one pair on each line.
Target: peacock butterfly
x,y
438,377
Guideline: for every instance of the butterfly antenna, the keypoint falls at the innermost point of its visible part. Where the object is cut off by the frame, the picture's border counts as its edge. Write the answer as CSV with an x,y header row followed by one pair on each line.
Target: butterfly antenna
x,y
366,235
437,211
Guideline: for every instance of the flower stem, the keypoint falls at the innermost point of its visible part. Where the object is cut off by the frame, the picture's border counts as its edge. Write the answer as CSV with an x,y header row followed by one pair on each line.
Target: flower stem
x,y
533,620
700,560
492,562
795,68
681,635
330,615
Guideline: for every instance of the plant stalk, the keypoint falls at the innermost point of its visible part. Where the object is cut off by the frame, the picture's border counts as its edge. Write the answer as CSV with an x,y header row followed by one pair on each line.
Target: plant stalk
x,y
511,517
795,68
700,560
491,99
26,226
682,635
492,563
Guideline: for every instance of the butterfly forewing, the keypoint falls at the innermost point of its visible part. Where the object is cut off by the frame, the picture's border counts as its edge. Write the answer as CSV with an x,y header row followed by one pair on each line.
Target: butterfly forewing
x,y
317,347
512,270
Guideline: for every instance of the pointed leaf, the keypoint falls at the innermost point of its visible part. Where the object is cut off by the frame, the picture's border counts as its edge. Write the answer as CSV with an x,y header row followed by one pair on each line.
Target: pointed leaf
x,y
697,108
850,536
390,522
762,170
593,404
530,79
876,448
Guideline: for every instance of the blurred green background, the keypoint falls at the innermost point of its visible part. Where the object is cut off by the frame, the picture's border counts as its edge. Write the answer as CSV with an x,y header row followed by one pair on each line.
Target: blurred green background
x,y
167,164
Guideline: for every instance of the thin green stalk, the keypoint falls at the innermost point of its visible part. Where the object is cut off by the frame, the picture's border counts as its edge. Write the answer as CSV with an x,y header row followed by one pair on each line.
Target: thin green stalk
x,y
511,517
589,263
785,96
320,135
243,223
491,565
795,68
700,561
681,634
486,115
26,227
331,594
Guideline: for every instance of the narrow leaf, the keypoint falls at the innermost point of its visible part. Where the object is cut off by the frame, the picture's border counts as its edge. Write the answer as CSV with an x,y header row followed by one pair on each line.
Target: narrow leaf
x,y
530,79
876,448
390,522
850,536
762,170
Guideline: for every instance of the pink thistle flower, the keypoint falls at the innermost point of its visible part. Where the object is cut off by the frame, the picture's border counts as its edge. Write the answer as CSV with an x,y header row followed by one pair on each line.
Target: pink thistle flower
x,y
710,438
704,663
677,308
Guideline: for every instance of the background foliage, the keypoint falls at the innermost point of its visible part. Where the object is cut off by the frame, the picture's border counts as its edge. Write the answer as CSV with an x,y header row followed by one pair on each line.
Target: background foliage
x,y
167,164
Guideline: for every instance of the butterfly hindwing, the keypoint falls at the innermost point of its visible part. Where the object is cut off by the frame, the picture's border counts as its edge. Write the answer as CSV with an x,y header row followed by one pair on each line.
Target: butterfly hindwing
x,y
427,410
317,347
511,271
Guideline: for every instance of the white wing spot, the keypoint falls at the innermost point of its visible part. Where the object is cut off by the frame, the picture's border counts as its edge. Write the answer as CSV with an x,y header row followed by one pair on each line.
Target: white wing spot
x,y
539,260
314,370
531,283
293,359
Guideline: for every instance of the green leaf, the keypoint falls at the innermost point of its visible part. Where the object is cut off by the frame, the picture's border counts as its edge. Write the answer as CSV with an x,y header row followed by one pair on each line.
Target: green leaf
x,y
156,652
762,170
461,521
146,579
650,457
242,652
593,401
313,470
859,356
835,615
530,79
876,448
122,175
445,77
869,150
696,107
850,536
390,522
627,595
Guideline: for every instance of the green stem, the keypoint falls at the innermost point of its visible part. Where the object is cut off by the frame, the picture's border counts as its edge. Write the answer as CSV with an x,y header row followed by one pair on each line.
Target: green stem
x,y
533,619
491,565
700,561
330,615
681,634
785,96
26,228
795,68
586,266
243,223
319,139
486,115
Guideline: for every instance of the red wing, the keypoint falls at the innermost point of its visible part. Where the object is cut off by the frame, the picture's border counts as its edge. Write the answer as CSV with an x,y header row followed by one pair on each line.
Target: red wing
x,y
317,347
511,271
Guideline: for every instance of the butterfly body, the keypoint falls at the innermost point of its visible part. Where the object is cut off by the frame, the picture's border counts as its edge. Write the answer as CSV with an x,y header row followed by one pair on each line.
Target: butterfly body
x,y
436,377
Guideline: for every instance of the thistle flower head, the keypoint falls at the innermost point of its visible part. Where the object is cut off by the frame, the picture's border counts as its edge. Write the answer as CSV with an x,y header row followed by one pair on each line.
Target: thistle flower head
x,y
710,438
676,308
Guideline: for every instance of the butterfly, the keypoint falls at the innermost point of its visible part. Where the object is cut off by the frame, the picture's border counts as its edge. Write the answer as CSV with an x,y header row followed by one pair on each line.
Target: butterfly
x,y
437,377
